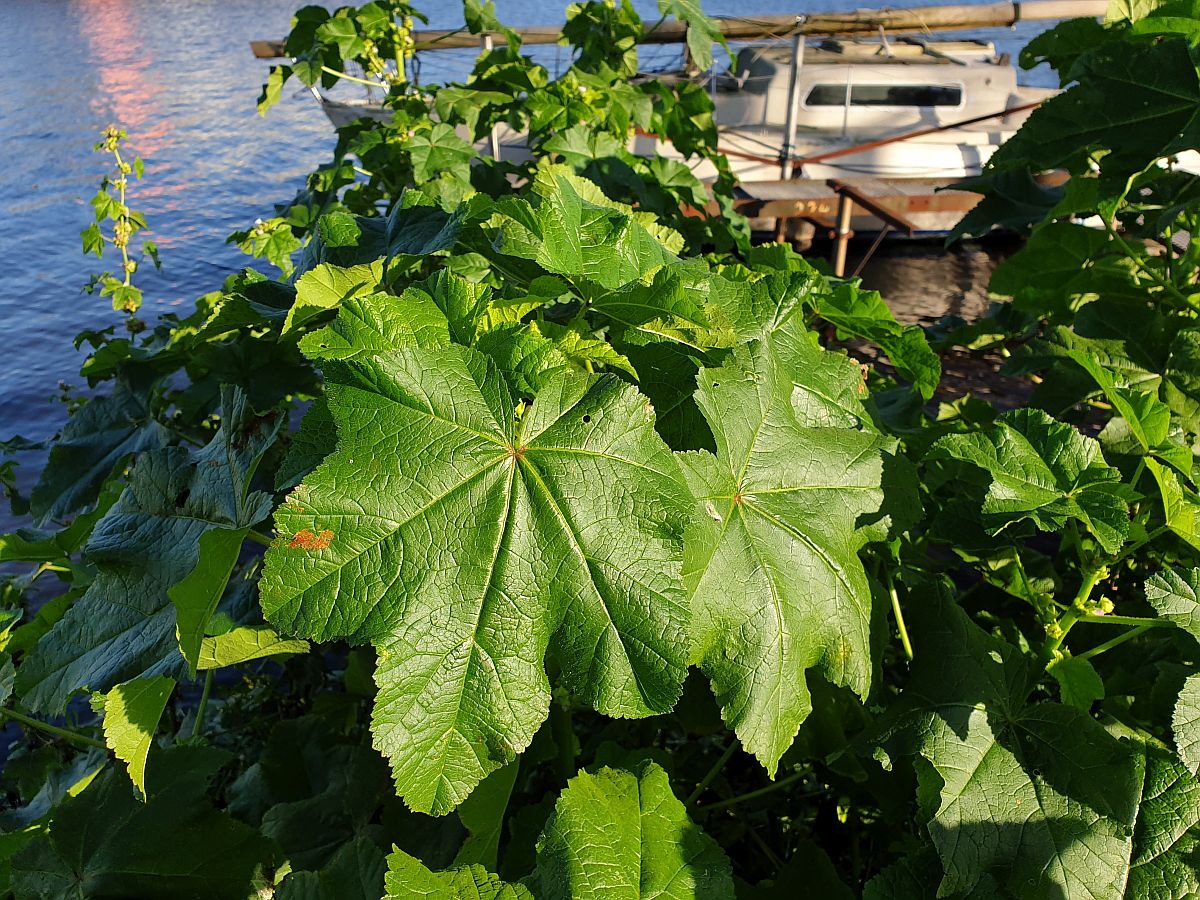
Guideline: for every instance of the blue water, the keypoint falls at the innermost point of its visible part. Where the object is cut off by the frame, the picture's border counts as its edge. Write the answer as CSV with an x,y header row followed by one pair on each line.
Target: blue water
x,y
179,77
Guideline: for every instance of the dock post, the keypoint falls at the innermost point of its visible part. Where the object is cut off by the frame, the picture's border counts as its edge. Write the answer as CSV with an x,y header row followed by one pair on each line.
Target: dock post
x,y
485,42
843,233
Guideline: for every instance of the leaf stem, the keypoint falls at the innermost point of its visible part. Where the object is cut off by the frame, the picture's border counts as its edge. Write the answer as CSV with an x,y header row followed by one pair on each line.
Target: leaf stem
x,y
1077,610
1137,473
770,854
1113,642
65,734
754,795
186,438
124,214
1139,621
375,84
900,626
564,739
1127,251
712,773
1169,255
258,538
1133,548
198,722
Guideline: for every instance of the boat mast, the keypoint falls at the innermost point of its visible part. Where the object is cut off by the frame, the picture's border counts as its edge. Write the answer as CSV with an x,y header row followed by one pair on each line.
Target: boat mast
x,y
793,109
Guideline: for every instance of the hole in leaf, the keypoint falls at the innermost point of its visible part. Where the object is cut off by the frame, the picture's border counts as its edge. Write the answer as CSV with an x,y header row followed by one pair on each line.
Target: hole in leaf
x,y
586,419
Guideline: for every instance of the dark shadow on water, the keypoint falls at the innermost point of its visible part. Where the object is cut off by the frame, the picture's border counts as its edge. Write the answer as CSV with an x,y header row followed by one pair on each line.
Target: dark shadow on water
x,y
924,280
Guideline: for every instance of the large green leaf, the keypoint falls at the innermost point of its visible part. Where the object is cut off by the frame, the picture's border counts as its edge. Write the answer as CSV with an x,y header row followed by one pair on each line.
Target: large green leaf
x,y
355,873
102,433
1140,101
576,230
1063,261
195,597
244,644
828,388
1181,378
1012,200
313,792
439,151
620,834
1163,860
614,835
1044,471
464,539
667,376
408,879
669,303
372,324
1060,46
1176,596
1181,506
1185,723
309,444
1035,800
326,287
1147,418
1079,684
527,358
532,354
124,626
107,843
46,545
771,558
131,714
701,30
863,314
482,814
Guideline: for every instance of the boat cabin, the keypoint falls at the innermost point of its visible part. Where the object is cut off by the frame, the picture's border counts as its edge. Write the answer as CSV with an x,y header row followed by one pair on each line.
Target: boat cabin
x,y
849,87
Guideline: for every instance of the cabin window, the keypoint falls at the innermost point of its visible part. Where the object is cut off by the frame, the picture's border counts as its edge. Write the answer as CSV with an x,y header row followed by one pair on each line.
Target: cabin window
x,y
885,95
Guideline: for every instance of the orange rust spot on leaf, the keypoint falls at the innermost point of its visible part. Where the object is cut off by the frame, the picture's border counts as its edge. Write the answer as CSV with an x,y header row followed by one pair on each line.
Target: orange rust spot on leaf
x,y
306,540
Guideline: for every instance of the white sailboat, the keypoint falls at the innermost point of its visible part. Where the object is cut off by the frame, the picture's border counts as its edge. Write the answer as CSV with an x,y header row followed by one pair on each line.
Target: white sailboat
x,y
821,107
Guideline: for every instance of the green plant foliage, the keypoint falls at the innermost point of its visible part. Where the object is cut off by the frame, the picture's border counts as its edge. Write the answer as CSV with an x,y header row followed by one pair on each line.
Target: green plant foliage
x,y
507,486
243,644
136,851
1044,471
775,578
1117,83
110,205
536,536
1185,723
105,433
1014,781
354,873
124,626
1162,859
131,715
1176,598
615,833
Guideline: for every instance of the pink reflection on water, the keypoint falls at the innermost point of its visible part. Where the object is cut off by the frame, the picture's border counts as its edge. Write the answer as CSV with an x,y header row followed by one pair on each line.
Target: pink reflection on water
x,y
128,93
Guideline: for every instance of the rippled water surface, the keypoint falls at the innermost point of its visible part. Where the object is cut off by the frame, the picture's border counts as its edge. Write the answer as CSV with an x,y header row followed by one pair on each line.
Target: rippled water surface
x,y
179,77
